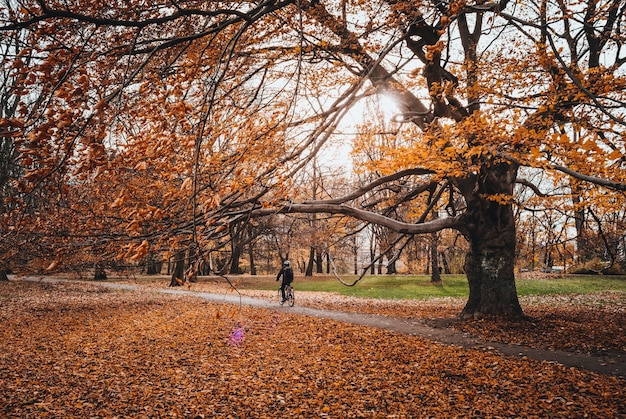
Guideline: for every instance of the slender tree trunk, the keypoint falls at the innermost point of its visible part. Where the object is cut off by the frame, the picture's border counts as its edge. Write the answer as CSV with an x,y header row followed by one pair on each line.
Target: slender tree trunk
x,y
3,275
319,262
251,258
99,273
192,263
309,266
221,265
178,274
235,268
585,250
490,231
391,264
151,269
327,262
435,277
444,262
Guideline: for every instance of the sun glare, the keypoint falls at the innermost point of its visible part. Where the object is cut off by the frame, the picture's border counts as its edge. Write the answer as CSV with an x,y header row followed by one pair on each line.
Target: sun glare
x,y
388,107
373,109
380,106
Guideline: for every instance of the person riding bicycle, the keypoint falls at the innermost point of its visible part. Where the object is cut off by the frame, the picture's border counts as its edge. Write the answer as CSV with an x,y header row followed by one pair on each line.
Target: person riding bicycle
x,y
287,273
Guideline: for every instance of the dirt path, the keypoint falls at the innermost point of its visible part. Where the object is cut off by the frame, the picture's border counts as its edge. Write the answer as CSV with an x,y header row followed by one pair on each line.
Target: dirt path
x,y
609,364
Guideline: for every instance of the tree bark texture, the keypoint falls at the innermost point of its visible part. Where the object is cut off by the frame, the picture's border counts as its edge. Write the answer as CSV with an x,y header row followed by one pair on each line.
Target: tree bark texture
x,y
490,230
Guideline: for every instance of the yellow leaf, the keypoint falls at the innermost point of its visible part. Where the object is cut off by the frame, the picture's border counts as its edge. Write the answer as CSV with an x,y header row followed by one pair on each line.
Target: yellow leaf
x,y
187,183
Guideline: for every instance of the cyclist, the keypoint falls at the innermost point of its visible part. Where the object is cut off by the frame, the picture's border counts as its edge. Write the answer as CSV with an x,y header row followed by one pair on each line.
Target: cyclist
x,y
287,273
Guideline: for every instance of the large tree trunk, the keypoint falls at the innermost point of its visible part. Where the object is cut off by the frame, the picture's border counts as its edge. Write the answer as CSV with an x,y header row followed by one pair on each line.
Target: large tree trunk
x,y
490,230
489,271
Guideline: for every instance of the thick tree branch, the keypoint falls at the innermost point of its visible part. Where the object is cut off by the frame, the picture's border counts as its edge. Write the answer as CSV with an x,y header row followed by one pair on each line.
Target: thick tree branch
x,y
367,216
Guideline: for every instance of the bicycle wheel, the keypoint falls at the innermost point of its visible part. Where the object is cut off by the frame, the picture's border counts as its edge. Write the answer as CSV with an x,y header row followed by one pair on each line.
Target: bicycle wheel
x,y
280,297
291,297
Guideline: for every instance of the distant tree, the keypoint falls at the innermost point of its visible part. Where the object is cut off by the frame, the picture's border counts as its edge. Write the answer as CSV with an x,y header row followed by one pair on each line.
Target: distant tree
x,y
10,97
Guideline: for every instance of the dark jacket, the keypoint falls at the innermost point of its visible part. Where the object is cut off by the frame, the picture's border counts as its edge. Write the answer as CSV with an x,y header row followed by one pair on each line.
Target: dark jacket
x,y
287,273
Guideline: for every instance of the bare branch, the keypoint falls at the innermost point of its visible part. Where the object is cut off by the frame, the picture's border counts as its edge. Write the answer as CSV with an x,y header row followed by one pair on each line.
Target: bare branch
x,y
531,185
580,176
366,188
50,14
588,178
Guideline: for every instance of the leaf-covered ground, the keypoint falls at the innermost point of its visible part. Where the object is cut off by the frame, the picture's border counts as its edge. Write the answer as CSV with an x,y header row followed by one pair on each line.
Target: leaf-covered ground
x,y
594,323
581,323
79,350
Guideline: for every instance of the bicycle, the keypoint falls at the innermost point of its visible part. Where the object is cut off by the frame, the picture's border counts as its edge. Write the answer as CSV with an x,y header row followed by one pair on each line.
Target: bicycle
x,y
290,296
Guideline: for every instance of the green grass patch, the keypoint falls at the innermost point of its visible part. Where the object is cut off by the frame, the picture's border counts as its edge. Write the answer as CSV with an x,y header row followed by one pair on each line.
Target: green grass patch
x,y
419,286
392,287
413,286
571,285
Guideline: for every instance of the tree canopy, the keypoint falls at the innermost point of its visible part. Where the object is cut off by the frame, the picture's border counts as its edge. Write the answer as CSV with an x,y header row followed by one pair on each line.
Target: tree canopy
x,y
146,125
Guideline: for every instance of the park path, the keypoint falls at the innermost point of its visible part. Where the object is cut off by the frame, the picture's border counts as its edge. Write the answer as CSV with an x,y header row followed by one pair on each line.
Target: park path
x,y
610,365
